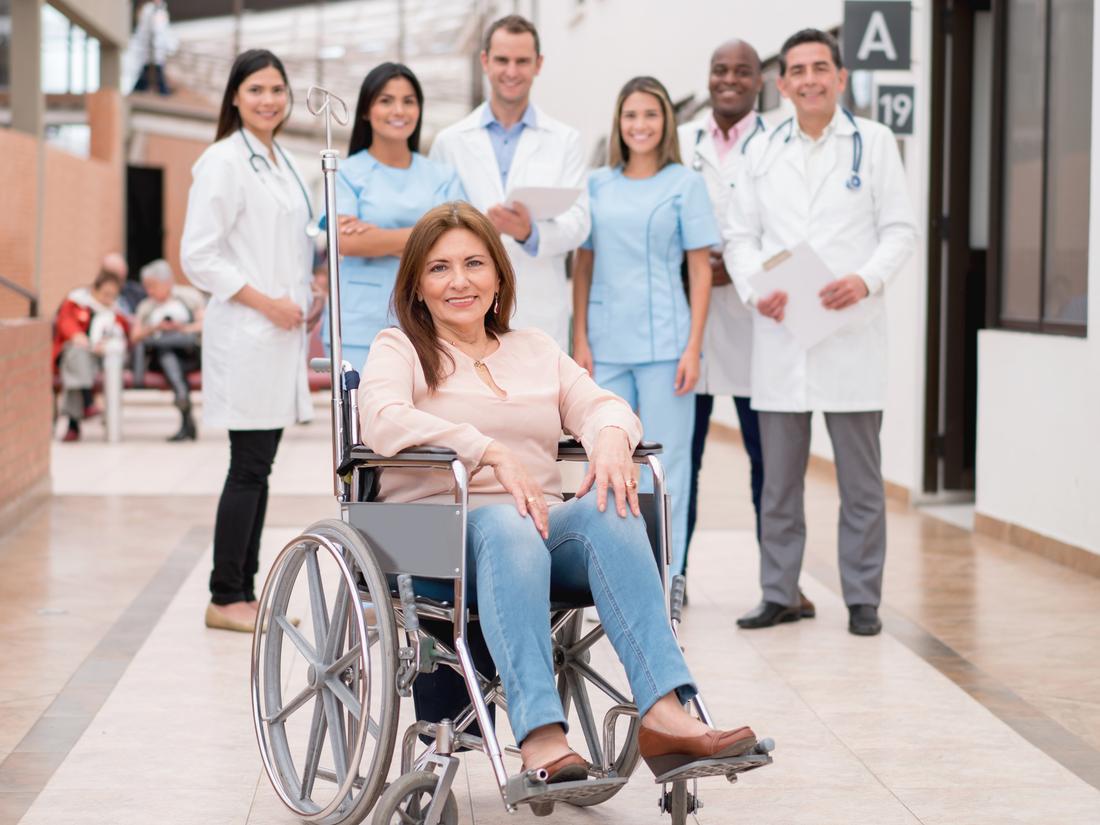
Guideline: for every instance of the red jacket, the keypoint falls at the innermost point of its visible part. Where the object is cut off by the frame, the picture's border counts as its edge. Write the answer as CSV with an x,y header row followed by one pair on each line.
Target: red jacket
x,y
75,317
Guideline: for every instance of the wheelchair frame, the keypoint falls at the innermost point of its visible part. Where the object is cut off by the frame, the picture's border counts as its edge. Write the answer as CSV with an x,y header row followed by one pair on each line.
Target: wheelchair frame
x,y
364,544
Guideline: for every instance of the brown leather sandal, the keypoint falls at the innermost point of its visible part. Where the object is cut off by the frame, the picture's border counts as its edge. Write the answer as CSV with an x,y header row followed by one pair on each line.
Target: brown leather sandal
x,y
664,752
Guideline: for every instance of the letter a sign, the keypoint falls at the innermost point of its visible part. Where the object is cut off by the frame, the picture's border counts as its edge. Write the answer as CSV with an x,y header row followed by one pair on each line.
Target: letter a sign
x,y
876,34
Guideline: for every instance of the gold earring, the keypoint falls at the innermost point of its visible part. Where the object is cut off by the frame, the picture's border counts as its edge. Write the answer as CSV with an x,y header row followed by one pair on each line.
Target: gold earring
x,y
496,304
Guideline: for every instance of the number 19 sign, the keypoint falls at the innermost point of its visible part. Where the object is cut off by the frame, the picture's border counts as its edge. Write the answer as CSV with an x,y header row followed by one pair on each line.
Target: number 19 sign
x,y
894,108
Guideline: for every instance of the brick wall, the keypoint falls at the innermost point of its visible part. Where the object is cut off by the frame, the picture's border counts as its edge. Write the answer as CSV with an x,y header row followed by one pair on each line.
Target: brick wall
x,y
25,407
18,211
83,209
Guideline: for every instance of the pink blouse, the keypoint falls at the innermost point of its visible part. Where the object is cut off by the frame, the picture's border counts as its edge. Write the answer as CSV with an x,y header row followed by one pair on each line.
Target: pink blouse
x,y
547,391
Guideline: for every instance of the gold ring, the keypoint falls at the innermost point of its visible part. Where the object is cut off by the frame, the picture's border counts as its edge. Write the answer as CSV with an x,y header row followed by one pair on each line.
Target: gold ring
x,y
631,483
532,498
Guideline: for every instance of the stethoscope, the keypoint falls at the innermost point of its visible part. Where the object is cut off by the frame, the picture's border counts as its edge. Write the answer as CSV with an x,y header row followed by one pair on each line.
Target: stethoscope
x,y
697,161
312,229
854,182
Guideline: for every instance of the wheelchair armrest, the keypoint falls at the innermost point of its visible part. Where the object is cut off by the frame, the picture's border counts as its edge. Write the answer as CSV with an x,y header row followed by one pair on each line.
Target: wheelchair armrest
x,y
430,457
569,449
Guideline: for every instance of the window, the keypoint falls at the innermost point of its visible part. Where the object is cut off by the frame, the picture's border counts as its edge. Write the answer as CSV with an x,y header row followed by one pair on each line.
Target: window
x,y
1046,112
70,56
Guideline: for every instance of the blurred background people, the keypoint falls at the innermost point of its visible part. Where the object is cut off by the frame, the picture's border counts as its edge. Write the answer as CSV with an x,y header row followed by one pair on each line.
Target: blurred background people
x,y
633,328
245,242
508,142
152,44
86,321
836,182
382,189
167,328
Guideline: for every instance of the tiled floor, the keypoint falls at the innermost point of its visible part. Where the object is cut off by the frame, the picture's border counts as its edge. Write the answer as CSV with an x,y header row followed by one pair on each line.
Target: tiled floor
x,y
979,704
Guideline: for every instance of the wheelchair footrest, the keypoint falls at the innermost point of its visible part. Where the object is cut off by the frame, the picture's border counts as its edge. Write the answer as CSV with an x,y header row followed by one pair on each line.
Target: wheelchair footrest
x,y
522,791
728,767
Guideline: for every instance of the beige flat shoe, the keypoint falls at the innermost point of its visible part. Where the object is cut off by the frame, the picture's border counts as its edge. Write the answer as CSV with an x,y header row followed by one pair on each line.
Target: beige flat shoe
x,y
217,620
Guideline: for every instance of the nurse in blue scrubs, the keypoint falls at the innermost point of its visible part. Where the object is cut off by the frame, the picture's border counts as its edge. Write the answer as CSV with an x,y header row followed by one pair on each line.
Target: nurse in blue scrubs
x,y
382,189
633,327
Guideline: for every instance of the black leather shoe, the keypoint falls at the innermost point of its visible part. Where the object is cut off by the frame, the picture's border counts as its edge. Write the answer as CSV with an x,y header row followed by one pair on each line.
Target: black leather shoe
x,y
863,620
767,614
806,608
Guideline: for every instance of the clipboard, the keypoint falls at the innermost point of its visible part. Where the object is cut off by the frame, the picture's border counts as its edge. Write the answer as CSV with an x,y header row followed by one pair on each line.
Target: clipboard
x,y
801,273
544,202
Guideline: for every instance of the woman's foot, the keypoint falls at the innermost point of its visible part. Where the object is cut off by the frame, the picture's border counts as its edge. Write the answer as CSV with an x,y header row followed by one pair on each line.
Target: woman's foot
x,y
671,738
547,748
238,616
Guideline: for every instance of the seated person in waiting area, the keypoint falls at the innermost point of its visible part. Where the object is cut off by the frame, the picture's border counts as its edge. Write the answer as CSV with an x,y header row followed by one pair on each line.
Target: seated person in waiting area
x,y
167,326
454,375
87,319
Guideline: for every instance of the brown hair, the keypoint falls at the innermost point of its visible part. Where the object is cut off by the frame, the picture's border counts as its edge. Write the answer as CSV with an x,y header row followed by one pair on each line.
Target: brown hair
x,y
513,24
412,313
668,151
105,276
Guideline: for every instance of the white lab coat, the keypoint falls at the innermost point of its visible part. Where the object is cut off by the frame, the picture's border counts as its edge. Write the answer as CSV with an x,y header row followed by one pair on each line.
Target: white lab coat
x,y
548,155
248,227
869,231
153,40
727,339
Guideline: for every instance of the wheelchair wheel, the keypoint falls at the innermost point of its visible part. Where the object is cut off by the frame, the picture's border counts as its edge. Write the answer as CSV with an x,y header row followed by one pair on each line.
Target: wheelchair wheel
x,y
324,701
575,679
406,802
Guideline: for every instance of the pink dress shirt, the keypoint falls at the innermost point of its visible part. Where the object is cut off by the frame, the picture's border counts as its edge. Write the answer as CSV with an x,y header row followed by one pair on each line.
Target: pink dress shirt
x,y
723,144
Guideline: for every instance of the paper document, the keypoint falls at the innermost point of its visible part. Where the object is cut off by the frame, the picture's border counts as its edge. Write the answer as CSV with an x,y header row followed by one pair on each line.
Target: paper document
x,y
801,273
543,202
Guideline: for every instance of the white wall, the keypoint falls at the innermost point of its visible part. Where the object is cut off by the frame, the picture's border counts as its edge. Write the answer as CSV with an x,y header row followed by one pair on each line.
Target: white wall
x,y
590,54
1039,408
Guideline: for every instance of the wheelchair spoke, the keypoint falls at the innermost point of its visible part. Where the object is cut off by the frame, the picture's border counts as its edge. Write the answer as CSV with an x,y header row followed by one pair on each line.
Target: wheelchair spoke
x,y
601,683
336,735
345,661
345,696
281,715
313,748
336,625
299,640
587,720
317,604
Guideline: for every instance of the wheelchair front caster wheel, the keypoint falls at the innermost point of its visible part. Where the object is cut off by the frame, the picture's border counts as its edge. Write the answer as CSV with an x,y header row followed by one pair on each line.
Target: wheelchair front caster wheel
x,y
407,800
679,803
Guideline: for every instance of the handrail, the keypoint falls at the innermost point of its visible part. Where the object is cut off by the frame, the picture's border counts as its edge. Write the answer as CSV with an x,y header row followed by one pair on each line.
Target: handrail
x,y
23,292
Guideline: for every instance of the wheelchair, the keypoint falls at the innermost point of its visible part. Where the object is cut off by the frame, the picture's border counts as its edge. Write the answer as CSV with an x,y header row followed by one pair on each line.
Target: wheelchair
x,y
326,693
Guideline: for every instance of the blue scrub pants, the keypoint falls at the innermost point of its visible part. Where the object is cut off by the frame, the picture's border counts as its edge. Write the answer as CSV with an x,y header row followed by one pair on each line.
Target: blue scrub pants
x,y
667,418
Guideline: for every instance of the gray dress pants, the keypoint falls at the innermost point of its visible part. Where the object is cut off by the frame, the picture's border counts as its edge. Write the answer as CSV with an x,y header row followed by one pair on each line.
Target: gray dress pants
x,y
861,536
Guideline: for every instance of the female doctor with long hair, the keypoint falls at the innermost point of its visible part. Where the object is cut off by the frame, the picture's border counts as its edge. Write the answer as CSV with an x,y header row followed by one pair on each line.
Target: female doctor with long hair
x,y
245,242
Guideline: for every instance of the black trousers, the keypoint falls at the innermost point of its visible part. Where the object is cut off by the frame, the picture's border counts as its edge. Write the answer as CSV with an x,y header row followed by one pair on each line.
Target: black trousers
x,y
443,695
241,511
750,434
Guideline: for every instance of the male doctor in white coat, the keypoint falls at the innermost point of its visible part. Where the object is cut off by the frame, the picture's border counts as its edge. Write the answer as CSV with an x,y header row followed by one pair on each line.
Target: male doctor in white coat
x,y
506,143
836,182
718,142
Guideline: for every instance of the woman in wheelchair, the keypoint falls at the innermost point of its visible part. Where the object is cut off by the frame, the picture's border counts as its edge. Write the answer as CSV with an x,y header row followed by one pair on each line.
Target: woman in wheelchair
x,y
454,375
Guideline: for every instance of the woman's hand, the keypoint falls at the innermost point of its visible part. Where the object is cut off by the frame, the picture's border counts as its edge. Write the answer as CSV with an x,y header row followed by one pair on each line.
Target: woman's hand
x,y
513,477
687,371
582,354
350,225
611,463
283,313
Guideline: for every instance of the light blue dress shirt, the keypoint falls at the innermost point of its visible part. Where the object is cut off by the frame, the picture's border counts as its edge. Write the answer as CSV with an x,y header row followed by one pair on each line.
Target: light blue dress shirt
x,y
637,310
504,142
389,198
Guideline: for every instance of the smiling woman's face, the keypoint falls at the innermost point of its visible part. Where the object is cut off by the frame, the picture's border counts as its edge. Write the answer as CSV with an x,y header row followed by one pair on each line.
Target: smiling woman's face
x,y
459,281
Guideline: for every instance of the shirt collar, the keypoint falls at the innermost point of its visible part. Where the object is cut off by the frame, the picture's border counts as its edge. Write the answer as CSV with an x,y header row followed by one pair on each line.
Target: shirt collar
x,y
736,133
529,119
839,119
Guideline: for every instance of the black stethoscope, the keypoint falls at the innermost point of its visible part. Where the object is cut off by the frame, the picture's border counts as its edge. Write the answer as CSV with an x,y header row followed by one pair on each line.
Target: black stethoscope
x,y
697,161
854,182
312,230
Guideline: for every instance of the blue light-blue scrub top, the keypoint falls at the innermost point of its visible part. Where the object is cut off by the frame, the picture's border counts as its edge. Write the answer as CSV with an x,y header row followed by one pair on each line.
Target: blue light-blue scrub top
x,y
389,198
637,310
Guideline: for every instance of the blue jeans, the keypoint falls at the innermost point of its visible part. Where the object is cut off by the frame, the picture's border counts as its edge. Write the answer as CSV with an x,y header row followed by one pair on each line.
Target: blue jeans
x,y
667,418
512,570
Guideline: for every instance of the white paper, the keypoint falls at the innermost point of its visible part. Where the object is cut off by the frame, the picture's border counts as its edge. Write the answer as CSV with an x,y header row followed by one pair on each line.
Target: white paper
x,y
802,276
543,202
